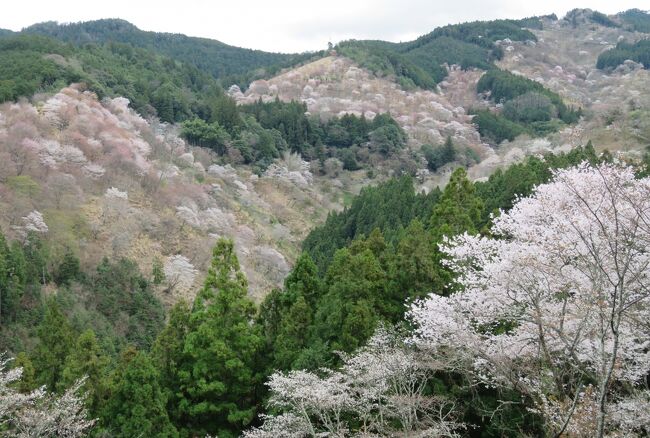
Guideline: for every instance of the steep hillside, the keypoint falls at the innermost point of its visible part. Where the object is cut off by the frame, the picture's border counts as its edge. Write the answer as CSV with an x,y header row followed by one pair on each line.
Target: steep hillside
x,y
564,59
334,86
107,182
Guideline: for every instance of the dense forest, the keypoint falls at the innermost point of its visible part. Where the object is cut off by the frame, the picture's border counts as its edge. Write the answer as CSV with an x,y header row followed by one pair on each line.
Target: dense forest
x,y
360,271
637,52
528,107
228,63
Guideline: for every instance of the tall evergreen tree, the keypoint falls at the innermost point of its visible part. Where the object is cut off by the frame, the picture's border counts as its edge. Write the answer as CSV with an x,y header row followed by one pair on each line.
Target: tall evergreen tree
x,y
87,360
218,376
56,341
136,406
167,355
459,209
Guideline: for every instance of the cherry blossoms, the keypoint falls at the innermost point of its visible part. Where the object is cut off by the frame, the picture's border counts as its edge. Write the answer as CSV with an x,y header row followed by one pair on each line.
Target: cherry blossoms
x,y
38,413
380,387
179,272
556,304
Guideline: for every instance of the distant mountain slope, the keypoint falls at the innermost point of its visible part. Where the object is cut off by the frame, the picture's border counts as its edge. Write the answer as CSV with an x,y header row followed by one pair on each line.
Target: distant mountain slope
x,y
420,62
214,57
5,32
154,84
636,19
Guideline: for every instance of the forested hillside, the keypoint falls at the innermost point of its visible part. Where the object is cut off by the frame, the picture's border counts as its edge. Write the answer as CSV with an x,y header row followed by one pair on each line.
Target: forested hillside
x,y
221,61
412,239
420,62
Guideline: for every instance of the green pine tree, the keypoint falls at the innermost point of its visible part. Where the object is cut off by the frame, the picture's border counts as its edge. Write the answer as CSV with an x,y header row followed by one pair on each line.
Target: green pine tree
x,y
87,360
219,374
56,341
459,210
136,406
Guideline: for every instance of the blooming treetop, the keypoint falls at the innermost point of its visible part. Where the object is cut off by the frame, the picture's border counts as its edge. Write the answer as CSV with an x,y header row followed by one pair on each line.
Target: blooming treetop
x,y
558,298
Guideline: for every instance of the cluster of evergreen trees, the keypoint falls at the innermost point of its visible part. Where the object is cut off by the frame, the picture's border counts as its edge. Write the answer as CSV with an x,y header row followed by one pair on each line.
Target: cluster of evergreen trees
x,y
258,133
420,62
638,52
528,107
203,371
636,20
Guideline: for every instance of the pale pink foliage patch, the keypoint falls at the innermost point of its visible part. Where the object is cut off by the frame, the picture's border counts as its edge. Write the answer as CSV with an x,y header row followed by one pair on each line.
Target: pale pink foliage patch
x,y
561,292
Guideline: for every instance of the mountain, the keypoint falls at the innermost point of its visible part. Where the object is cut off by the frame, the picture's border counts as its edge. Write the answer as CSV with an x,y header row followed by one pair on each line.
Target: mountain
x,y
125,168
220,60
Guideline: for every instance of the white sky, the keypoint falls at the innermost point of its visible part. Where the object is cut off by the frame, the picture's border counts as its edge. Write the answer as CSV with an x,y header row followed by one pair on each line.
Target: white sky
x,y
294,25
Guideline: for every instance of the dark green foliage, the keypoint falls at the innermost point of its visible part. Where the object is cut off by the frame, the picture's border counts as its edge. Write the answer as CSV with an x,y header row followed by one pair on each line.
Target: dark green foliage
x,y
390,207
482,33
529,107
136,405
638,52
12,279
445,49
218,373
287,118
387,139
68,270
87,360
167,356
534,22
383,59
636,19
30,63
439,156
602,19
494,127
24,69
56,340
124,298
208,135
285,316
458,209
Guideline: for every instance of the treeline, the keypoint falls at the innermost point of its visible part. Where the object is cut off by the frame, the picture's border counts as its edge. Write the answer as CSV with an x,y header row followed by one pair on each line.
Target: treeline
x,y
258,133
154,85
528,107
636,20
420,62
224,62
638,52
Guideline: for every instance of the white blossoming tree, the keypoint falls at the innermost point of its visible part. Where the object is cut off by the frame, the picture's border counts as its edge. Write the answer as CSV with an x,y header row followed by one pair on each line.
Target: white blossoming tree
x,y
382,387
556,305
38,413
179,272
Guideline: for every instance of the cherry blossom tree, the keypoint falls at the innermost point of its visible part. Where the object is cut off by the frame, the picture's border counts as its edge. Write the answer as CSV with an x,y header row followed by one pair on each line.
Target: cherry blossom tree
x,y
179,272
556,303
38,413
382,387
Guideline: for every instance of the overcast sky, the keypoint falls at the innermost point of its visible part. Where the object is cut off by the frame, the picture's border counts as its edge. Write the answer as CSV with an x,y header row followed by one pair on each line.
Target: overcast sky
x,y
294,25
